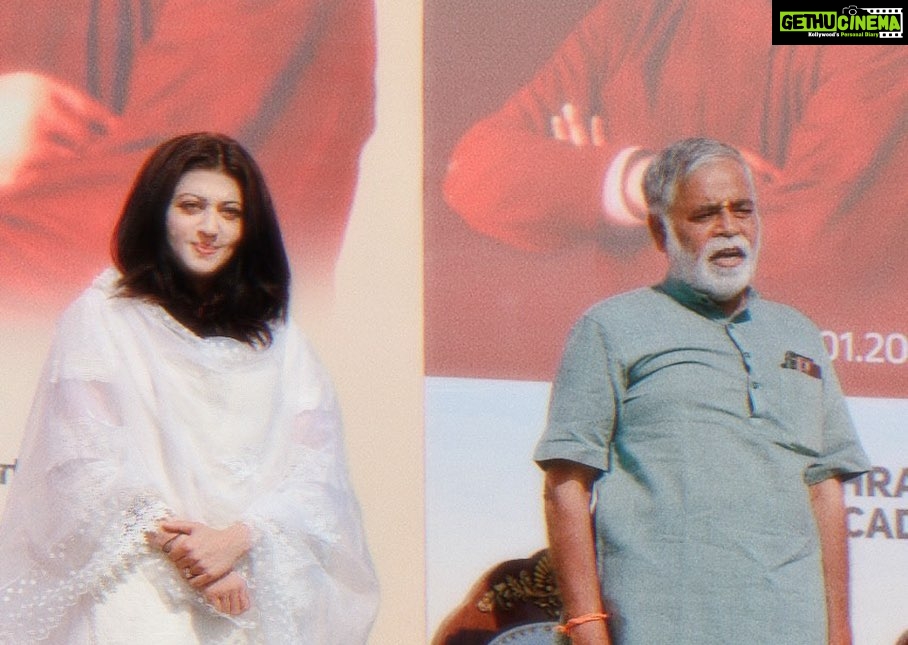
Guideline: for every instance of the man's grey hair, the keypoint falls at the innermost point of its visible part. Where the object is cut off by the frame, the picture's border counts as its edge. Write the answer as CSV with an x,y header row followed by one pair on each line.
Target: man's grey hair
x,y
676,163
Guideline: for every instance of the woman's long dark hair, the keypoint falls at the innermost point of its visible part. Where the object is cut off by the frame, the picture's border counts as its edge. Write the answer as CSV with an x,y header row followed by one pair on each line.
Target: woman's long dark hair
x,y
251,291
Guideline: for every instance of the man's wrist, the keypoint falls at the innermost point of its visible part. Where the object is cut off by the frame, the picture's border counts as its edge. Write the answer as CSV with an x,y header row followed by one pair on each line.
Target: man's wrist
x,y
575,622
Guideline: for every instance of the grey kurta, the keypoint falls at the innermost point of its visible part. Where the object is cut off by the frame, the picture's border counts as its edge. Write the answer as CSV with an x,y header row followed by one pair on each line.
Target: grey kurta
x,y
708,432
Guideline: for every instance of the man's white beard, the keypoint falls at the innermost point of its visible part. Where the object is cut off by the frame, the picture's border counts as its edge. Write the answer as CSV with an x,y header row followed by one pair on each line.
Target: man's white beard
x,y
719,283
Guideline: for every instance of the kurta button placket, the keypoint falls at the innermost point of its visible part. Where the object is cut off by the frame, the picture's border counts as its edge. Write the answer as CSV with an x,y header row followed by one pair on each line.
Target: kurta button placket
x,y
753,386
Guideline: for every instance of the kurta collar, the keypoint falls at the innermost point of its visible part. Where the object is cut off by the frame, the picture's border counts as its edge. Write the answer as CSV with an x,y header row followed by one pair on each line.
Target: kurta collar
x,y
701,303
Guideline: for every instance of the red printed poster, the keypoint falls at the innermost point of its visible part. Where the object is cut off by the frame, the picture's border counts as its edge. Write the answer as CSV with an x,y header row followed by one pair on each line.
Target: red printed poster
x,y
88,89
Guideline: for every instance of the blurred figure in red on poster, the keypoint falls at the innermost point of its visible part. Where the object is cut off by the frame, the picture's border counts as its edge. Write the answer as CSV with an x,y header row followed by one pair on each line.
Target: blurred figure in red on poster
x,y
88,88
558,166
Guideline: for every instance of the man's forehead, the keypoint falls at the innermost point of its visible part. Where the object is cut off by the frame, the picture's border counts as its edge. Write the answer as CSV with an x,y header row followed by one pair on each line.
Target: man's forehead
x,y
716,182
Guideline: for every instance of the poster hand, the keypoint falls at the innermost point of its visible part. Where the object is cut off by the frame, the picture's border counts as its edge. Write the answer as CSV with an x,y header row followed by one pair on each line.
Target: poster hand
x,y
570,126
44,120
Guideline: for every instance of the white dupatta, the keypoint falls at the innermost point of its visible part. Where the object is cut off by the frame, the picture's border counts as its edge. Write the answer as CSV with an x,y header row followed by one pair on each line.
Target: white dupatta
x,y
136,419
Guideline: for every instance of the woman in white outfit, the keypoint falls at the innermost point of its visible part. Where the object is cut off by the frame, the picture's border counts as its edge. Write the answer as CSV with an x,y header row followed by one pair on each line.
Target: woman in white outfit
x,y
182,477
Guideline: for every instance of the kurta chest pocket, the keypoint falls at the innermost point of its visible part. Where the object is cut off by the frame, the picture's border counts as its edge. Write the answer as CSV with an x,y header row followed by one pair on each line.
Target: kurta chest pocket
x,y
799,398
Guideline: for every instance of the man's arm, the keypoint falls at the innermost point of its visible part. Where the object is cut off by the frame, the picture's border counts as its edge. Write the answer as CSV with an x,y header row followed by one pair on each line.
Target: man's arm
x,y
827,499
572,546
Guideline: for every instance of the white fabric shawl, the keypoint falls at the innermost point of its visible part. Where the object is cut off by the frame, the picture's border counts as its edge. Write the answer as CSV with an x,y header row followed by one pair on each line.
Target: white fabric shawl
x,y
136,419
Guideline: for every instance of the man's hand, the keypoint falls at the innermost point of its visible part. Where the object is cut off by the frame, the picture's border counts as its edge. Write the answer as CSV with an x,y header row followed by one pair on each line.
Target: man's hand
x,y
571,126
203,554
44,120
229,595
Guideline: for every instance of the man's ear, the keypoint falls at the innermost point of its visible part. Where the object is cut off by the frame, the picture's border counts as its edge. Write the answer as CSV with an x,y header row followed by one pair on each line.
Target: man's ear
x,y
657,230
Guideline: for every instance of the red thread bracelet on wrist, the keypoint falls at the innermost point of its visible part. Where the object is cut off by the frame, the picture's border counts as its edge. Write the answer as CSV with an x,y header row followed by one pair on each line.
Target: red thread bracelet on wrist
x,y
579,620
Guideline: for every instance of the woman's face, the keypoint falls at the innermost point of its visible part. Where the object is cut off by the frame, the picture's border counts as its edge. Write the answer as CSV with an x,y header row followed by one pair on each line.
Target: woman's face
x,y
205,222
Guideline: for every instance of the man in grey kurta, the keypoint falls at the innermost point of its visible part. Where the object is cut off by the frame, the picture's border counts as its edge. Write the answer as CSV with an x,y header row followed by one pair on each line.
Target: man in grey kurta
x,y
708,429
